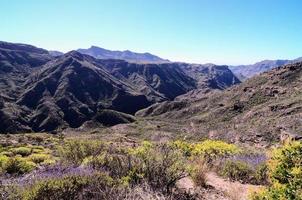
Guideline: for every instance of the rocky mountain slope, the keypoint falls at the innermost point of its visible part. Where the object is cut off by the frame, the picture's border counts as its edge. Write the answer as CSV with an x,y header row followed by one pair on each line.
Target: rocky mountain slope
x,y
127,55
247,71
45,92
261,110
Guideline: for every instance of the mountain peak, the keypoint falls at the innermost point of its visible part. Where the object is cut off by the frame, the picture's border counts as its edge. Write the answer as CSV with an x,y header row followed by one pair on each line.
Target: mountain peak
x,y
74,54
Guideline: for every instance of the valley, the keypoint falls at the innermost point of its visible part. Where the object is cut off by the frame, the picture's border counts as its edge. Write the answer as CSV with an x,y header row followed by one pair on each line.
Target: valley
x,y
124,125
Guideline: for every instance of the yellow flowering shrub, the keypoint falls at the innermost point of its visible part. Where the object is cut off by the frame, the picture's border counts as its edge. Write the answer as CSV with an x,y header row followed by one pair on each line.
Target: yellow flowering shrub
x,y
285,173
212,149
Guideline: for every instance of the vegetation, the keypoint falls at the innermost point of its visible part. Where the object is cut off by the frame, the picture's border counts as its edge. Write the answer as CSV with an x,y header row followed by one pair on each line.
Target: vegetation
x,y
285,173
88,168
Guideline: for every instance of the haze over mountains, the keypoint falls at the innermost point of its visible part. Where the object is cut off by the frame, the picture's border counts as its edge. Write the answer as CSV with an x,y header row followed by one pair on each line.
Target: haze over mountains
x,y
127,55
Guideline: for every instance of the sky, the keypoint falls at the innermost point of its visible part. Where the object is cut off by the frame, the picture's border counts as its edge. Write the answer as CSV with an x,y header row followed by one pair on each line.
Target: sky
x,y
197,31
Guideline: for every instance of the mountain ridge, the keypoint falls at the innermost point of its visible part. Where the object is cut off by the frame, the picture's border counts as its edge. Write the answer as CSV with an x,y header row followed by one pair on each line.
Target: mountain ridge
x,y
247,71
127,55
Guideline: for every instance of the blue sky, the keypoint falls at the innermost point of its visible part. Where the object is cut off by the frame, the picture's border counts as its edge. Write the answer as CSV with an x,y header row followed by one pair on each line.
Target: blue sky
x,y
200,31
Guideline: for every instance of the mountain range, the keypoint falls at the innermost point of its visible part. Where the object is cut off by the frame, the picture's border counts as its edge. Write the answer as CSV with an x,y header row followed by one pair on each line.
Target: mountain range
x,y
247,71
41,91
45,91
127,55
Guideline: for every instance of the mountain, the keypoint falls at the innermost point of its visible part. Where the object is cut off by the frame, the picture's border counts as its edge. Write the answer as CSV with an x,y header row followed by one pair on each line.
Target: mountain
x,y
45,92
55,53
127,55
260,110
17,61
247,71
20,57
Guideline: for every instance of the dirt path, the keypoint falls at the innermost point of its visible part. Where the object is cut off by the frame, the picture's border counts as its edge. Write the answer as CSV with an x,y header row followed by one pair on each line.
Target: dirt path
x,y
220,188
234,190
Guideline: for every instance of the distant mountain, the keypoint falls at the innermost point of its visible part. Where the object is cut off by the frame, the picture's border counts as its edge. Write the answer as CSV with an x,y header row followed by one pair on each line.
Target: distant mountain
x,y
55,53
259,111
247,71
127,55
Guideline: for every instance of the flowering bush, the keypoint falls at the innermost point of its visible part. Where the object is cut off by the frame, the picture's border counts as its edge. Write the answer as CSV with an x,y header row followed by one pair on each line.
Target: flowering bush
x,y
213,149
285,173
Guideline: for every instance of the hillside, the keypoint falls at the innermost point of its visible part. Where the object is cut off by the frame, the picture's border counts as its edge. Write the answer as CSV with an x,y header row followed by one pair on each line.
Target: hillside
x,y
258,111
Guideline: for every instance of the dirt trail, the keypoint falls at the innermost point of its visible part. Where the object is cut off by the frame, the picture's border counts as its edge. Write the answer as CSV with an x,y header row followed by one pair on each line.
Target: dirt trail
x,y
234,190
221,188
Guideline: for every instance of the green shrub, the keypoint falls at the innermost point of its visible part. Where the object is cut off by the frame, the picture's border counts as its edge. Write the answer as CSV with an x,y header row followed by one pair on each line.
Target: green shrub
x,y
38,158
75,151
23,151
3,161
160,165
261,174
18,165
285,173
237,171
7,153
71,187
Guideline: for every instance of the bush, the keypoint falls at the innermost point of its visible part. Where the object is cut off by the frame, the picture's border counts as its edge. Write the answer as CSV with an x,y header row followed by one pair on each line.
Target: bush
x,y
198,172
160,166
184,146
23,151
18,165
213,149
237,171
261,174
94,186
75,151
3,161
285,173
38,158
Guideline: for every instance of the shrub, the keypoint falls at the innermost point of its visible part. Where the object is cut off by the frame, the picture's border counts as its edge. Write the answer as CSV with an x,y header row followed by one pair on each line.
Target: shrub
x,y
23,151
285,173
38,158
185,147
236,171
75,151
213,149
7,153
261,174
161,165
18,165
94,186
9,192
198,172
3,160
